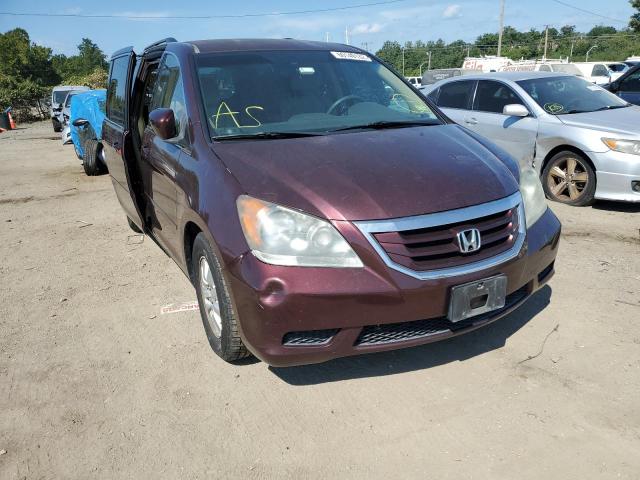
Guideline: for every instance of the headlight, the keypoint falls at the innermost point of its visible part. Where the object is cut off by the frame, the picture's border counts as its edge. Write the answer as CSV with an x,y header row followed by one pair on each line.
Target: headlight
x,y
281,236
624,146
535,203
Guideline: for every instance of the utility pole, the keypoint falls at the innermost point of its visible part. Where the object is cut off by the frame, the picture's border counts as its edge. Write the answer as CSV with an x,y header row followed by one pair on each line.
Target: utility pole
x,y
429,64
546,41
403,61
346,35
501,30
573,43
327,37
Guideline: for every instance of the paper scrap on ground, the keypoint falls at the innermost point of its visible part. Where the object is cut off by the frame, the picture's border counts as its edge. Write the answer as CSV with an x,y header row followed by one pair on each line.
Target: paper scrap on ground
x,y
182,307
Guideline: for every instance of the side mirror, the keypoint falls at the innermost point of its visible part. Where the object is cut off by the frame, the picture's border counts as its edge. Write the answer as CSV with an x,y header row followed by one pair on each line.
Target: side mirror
x,y
515,110
163,123
80,122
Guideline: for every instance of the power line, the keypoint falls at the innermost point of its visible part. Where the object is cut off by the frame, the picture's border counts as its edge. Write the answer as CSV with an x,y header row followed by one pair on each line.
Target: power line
x,y
584,10
200,17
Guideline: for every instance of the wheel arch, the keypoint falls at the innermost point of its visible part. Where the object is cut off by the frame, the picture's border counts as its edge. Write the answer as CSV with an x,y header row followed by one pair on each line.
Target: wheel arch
x,y
191,231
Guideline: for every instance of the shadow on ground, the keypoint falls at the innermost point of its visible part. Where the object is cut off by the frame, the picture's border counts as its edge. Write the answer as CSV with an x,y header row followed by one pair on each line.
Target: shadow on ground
x,y
617,206
460,348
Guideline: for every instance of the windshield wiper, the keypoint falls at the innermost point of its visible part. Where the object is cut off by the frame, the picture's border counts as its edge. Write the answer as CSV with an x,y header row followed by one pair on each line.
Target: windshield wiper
x,y
266,136
387,124
606,107
612,107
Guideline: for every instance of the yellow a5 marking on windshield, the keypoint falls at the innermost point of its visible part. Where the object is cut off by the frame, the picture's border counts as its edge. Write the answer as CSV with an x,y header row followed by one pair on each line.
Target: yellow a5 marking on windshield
x,y
224,109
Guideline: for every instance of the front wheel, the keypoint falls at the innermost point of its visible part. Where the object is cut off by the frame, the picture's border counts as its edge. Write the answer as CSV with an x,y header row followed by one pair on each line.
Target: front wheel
x,y
57,127
216,308
92,158
569,178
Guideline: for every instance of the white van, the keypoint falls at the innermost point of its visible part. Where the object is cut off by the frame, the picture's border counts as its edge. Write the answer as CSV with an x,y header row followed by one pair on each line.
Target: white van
x,y
415,81
597,72
58,96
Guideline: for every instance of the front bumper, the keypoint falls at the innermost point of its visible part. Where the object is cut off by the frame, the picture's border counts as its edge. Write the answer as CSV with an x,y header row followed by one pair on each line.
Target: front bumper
x,y
330,313
616,173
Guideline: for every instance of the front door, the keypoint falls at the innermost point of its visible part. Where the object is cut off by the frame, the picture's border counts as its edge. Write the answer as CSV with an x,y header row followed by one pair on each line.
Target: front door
x,y
516,135
116,136
161,157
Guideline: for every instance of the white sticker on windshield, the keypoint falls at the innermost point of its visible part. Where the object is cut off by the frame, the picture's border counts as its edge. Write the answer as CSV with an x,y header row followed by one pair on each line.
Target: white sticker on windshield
x,y
307,70
360,57
595,88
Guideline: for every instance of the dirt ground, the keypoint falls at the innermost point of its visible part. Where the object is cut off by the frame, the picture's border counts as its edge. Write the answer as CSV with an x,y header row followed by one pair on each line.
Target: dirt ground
x,y
96,383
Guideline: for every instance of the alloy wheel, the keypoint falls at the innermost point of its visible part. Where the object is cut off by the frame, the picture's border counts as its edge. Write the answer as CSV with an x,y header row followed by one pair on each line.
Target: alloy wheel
x,y
210,297
568,179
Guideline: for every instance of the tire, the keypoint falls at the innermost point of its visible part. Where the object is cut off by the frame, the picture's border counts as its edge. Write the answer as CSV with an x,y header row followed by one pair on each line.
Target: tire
x,y
57,127
133,226
91,160
569,178
222,332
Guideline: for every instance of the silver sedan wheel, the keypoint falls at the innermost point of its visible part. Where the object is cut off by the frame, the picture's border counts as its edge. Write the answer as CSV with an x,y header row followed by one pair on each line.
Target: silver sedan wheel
x,y
568,179
210,297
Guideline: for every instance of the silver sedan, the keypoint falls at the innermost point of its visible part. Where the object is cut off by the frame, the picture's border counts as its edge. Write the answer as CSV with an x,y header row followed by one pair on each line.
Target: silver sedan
x,y
583,141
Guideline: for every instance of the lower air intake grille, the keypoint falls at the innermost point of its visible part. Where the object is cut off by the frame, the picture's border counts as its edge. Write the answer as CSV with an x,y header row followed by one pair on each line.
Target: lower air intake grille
x,y
309,338
401,332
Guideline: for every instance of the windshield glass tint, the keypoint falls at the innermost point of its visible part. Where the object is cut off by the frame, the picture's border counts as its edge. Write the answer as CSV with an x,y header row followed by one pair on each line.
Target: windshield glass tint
x,y
67,102
563,95
303,92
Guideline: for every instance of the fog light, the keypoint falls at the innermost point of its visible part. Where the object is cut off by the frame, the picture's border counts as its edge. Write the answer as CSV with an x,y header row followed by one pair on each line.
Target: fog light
x,y
635,186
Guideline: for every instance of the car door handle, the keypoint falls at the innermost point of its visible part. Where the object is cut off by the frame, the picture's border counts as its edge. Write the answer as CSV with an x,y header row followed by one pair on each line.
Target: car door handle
x,y
471,121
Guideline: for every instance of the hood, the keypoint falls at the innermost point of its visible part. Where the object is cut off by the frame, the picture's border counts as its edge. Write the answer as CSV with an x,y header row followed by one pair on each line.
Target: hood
x,y
623,121
372,174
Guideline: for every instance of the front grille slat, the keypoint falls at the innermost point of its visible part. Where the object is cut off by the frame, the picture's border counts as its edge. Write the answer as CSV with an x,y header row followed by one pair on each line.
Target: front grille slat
x,y
436,247
406,331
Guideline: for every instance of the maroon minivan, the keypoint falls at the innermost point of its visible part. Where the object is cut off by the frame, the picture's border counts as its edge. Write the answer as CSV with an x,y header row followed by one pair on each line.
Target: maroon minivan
x,y
318,203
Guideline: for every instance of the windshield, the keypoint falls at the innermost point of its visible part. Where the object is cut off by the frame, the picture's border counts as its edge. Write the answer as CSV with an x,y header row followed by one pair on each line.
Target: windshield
x,y
60,95
67,101
564,95
253,93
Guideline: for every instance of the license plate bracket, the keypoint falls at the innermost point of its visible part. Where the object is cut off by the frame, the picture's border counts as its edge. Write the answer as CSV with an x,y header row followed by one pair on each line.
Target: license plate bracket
x,y
475,298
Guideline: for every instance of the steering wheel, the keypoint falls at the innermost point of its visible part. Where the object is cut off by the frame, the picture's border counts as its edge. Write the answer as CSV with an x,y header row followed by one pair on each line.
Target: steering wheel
x,y
342,100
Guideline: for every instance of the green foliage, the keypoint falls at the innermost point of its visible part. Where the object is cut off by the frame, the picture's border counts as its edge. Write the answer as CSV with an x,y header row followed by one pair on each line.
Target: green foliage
x,y
634,23
28,71
566,42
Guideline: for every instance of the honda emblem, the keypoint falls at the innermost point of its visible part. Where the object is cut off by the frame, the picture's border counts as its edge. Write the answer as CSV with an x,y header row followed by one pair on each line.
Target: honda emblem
x,y
469,240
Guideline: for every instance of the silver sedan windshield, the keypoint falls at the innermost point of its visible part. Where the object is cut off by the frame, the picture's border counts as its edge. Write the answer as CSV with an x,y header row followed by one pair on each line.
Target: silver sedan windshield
x,y
568,94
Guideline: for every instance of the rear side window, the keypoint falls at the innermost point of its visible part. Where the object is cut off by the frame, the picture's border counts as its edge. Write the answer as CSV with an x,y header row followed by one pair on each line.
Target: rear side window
x,y
116,90
493,96
600,71
456,94
168,92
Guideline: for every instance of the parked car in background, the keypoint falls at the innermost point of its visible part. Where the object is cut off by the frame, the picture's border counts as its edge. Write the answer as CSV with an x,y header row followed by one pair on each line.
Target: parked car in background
x,y
617,69
319,205
627,86
632,61
58,96
86,117
598,72
415,81
583,140
432,76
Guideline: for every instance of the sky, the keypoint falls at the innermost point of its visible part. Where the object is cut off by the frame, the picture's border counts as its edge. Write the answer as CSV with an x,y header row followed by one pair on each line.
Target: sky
x,y
368,26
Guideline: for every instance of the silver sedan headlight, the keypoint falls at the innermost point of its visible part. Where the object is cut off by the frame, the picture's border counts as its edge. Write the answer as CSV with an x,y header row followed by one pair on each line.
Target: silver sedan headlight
x,y
623,146
535,203
282,236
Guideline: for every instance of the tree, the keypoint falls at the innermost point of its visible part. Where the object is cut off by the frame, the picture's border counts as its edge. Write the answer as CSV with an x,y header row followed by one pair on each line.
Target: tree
x,y
634,23
26,72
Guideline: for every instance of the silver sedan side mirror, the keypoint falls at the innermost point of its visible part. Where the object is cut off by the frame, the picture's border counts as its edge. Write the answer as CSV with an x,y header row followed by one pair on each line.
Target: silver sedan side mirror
x,y
515,110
